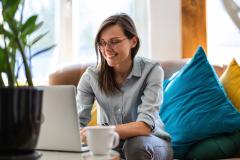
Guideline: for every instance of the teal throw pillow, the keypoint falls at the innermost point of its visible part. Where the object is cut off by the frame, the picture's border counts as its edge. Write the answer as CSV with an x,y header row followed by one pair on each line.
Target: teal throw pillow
x,y
195,105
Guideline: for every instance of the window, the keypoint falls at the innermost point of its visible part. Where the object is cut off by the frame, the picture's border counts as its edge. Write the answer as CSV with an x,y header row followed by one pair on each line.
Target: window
x,y
87,16
223,35
72,25
87,20
46,13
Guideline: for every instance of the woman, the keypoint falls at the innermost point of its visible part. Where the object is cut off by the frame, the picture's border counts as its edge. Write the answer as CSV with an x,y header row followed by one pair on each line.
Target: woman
x,y
128,89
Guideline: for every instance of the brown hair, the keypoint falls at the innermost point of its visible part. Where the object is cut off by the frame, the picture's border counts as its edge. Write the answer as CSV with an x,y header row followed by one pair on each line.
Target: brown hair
x,y
107,81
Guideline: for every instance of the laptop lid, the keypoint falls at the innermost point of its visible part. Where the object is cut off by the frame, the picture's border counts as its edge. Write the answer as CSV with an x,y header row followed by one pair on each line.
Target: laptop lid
x,y
60,127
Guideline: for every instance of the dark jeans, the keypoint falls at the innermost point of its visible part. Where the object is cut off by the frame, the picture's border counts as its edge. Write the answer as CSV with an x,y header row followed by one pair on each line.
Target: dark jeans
x,y
145,148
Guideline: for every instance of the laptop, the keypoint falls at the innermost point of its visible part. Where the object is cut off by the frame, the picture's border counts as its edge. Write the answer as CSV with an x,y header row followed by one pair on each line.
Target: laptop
x,y
60,123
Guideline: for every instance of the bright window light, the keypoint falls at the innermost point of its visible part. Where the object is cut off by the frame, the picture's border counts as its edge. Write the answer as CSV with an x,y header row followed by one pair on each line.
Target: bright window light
x,y
223,35
87,17
72,25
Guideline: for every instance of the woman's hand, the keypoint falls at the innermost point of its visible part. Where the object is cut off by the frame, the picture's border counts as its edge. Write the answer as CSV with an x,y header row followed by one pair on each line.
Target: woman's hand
x,y
83,134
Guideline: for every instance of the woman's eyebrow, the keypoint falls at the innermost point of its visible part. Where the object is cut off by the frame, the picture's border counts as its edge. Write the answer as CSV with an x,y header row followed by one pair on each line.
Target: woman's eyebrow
x,y
111,38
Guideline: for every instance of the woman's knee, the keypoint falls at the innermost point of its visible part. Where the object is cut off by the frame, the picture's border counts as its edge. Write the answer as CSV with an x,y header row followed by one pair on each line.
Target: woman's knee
x,y
136,148
147,147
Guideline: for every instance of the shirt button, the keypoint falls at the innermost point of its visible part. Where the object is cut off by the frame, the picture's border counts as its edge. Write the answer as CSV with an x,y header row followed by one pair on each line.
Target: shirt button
x,y
119,119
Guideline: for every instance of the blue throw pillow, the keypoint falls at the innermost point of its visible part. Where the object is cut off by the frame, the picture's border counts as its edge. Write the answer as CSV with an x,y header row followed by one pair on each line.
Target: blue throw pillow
x,y
195,105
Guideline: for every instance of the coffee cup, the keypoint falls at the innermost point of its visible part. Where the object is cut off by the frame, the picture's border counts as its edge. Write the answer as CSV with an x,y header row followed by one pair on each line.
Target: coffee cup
x,y
101,139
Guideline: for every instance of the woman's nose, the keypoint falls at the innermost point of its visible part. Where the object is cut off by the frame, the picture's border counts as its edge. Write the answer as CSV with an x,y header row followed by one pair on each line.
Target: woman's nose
x,y
108,47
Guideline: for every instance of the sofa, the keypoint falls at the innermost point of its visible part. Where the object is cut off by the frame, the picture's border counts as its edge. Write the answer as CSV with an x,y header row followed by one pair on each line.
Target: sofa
x,y
70,75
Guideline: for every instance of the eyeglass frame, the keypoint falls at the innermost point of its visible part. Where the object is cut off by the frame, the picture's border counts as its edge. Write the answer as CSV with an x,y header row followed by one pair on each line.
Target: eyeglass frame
x,y
110,43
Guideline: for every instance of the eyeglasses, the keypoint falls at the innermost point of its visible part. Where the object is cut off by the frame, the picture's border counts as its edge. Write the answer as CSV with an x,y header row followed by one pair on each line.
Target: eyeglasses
x,y
111,43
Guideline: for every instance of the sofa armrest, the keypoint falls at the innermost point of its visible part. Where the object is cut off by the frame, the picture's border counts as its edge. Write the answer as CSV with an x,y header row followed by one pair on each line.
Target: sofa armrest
x,y
69,75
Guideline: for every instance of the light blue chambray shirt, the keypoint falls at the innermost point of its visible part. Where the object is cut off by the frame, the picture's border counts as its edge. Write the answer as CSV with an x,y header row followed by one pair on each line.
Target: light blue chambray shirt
x,y
139,100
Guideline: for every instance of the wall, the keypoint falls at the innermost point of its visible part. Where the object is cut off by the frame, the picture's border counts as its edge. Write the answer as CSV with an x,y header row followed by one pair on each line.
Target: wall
x,y
165,29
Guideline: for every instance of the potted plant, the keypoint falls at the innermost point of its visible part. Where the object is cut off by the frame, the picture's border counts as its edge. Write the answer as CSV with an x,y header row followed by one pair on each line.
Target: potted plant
x,y
20,102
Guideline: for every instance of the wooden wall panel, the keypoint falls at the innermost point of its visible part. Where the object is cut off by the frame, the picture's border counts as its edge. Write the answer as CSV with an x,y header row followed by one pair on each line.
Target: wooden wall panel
x,y
193,26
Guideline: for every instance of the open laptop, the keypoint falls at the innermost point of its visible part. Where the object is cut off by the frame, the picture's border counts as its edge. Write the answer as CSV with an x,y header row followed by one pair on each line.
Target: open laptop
x,y
60,127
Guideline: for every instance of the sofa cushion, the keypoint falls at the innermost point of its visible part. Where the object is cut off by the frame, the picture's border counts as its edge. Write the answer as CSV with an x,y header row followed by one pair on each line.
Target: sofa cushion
x,y
218,147
231,82
195,105
93,121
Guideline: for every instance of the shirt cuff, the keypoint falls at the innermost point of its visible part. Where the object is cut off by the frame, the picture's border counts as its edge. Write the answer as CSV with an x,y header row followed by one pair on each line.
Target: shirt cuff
x,y
147,119
84,114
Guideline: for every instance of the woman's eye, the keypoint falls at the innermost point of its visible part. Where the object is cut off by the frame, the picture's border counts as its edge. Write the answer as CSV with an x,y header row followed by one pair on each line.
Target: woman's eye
x,y
114,41
102,43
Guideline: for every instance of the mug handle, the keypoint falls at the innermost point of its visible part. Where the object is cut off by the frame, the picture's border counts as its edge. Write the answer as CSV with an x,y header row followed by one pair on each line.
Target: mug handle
x,y
115,139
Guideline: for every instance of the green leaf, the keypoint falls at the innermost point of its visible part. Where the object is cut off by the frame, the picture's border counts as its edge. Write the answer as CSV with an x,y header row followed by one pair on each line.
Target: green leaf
x,y
2,60
42,51
9,8
30,23
6,67
1,81
39,25
35,40
31,29
5,32
12,56
2,65
1,29
10,2
13,25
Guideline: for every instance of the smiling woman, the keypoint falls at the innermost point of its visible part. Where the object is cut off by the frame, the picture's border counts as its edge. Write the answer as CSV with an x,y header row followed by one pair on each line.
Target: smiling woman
x,y
127,89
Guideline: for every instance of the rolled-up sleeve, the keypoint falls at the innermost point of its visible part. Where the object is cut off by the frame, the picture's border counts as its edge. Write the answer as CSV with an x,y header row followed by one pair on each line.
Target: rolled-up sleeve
x,y
85,99
148,110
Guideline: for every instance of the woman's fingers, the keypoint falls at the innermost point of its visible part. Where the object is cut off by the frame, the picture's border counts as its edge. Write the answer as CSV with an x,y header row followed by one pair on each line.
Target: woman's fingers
x,y
83,135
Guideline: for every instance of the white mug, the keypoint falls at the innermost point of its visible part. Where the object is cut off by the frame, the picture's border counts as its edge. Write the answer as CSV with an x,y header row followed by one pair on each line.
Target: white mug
x,y
101,139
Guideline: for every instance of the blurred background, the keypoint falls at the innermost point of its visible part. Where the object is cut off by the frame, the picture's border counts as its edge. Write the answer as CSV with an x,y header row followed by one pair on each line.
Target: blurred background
x,y
168,29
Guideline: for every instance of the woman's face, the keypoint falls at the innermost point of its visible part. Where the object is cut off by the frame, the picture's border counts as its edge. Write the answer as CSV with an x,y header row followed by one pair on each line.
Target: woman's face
x,y
115,46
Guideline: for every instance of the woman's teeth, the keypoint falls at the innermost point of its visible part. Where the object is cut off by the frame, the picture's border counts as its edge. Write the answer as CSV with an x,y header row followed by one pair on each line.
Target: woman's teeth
x,y
111,56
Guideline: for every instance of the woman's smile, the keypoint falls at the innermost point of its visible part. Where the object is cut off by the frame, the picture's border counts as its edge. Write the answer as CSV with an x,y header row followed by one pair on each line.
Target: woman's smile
x,y
111,56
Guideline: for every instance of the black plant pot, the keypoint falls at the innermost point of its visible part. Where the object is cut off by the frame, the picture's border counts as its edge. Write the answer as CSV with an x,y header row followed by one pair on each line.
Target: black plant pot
x,y
20,119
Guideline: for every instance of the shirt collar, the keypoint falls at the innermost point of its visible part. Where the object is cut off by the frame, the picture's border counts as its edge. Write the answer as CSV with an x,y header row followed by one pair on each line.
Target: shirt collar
x,y
136,70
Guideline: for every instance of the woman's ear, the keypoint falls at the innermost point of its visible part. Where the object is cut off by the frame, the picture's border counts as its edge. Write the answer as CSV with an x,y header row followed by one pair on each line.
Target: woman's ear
x,y
134,42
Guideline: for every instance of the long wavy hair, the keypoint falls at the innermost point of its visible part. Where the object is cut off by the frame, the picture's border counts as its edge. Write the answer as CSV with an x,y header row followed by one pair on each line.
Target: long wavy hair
x,y
107,81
